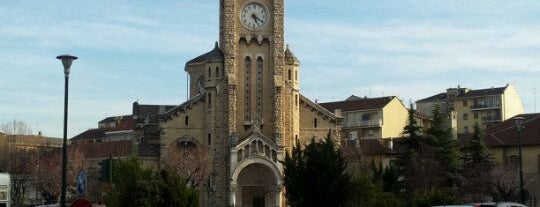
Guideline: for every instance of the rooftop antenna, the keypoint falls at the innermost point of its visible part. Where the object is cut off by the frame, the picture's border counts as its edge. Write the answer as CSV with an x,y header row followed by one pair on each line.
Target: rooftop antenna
x,y
187,86
534,92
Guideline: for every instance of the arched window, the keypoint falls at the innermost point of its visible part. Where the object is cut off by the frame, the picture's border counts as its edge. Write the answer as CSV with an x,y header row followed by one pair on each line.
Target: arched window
x,y
289,74
315,124
260,68
209,100
186,120
217,72
209,72
247,89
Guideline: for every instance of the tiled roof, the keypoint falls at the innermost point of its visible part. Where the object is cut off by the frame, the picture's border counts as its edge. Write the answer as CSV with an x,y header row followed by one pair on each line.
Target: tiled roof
x,y
214,54
483,92
505,134
466,94
358,104
97,133
440,96
142,111
91,134
105,149
116,118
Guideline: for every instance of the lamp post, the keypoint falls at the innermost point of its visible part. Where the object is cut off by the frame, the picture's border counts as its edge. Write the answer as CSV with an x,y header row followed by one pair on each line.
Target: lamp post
x,y
66,61
519,125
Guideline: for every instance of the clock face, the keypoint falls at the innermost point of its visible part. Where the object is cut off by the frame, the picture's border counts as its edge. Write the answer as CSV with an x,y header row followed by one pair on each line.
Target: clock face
x,y
254,16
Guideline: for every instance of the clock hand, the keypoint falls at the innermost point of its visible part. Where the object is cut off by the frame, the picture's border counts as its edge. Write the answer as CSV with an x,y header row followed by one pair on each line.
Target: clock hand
x,y
256,18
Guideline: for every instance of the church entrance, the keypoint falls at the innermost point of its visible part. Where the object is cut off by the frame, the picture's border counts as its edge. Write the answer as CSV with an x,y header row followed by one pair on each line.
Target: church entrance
x,y
256,186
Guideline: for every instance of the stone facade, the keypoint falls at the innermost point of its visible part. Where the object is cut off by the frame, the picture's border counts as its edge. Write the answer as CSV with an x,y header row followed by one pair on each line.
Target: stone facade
x,y
245,109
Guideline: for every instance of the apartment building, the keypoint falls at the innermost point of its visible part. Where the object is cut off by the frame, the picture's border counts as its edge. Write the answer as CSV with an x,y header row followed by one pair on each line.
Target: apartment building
x,y
486,107
372,118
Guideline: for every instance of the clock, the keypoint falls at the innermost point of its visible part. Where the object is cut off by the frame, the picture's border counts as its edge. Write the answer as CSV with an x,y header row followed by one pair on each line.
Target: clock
x,y
254,16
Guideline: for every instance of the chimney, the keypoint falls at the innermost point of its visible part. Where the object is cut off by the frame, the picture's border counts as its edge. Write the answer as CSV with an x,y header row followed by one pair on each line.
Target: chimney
x,y
390,143
40,134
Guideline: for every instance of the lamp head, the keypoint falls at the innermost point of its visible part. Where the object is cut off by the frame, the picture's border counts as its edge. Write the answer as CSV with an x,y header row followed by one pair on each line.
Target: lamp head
x,y
66,61
519,121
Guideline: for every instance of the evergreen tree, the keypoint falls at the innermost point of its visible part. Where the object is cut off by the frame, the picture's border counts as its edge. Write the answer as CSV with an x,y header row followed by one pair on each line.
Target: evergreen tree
x,y
477,169
440,138
134,185
315,176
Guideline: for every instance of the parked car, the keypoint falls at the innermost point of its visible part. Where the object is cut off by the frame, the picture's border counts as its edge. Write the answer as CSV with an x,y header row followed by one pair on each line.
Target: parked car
x,y
499,204
454,206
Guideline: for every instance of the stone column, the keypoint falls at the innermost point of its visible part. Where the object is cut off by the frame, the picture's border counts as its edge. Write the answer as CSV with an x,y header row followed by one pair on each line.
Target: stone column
x,y
278,196
232,196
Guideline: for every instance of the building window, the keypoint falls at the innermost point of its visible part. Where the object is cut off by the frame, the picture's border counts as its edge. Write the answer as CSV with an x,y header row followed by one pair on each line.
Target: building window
x,y
315,124
466,129
296,99
217,72
209,100
209,139
371,134
289,75
511,161
465,116
209,72
295,75
259,88
247,89
353,135
475,115
186,120
464,103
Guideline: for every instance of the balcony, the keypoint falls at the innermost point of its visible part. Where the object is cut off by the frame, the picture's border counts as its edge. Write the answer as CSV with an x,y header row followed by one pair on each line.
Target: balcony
x,y
491,119
479,107
363,124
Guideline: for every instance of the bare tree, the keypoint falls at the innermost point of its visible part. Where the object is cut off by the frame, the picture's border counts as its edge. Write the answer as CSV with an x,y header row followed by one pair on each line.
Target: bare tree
x,y
506,186
16,128
20,167
49,171
188,161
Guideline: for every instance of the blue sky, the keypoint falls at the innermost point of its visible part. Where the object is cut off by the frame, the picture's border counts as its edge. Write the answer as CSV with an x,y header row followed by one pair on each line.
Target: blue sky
x,y
135,50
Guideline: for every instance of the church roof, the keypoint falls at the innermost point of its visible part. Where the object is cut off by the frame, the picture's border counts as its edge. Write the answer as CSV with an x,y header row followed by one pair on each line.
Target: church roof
x,y
214,54
289,57
319,108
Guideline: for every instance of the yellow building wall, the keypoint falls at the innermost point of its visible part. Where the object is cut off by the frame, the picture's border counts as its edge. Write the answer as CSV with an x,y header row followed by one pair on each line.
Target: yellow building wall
x,y
395,116
511,103
531,165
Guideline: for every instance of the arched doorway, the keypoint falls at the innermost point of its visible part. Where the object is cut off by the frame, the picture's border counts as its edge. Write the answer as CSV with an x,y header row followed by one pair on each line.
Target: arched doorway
x,y
257,186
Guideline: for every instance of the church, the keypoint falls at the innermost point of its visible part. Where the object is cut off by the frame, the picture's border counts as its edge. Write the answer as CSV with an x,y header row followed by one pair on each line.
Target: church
x,y
244,109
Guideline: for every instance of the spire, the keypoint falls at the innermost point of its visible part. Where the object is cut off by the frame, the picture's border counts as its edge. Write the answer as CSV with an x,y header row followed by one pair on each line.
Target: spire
x,y
289,57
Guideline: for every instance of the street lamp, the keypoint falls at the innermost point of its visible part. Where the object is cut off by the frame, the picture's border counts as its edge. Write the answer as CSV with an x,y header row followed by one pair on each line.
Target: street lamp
x,y
66,61
520,127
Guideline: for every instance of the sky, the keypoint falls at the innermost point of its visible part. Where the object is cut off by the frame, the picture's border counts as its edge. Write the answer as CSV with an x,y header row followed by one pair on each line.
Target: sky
x,y
135,50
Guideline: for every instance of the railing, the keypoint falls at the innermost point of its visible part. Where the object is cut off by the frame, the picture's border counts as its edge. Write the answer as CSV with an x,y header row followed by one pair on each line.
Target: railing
x,y
491,119
484,106
367,123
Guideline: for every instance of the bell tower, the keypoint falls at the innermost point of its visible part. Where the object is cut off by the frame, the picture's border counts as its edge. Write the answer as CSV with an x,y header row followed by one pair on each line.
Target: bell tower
x,y
255,101
252,40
